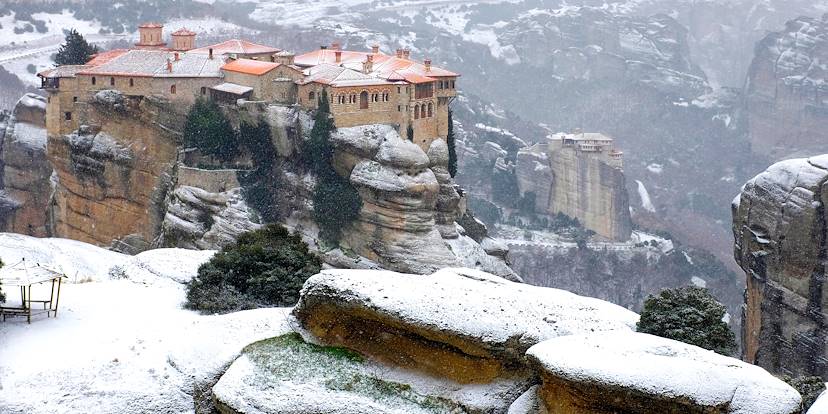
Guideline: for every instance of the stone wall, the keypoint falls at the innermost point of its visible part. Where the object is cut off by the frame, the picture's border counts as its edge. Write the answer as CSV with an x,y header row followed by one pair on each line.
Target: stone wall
x,y
779,224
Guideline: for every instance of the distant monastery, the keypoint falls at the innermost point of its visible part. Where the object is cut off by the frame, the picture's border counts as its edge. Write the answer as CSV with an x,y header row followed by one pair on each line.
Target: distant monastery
x,y
363,87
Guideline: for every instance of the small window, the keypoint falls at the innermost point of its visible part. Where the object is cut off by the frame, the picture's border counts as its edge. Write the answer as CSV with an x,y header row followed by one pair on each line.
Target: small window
x,y
93,80
172,89
440,85
132,82
452,84
399,90
423,111
67,116
49,99
430,110
111,81
416,111
311,95
204,91
399,108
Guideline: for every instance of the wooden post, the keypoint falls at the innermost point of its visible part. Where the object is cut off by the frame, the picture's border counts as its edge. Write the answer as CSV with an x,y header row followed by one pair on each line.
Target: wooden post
x,y
57,299
30,305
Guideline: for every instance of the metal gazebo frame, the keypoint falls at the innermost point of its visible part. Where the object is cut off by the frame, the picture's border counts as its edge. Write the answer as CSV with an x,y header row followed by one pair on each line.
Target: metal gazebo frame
x,y
24,276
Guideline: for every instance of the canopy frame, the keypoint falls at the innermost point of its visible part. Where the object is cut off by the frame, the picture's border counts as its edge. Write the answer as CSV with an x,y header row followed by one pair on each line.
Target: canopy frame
x,y
24,276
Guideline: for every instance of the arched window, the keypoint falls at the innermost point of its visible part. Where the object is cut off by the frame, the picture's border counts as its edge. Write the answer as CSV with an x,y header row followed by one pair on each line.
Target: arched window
x,y
172,89
93,80
386,97
311,95
132,83
430,109
363,100
204,90
423,111
112,81
416,111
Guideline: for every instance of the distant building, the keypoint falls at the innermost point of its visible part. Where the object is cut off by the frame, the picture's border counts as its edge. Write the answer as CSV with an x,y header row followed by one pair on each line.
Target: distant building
x,y
367,87
589,144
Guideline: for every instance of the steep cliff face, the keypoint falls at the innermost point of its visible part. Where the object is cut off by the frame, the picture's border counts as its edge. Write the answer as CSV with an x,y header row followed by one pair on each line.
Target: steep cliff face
x,y
578,186
779,223
24,168
786,94
112,175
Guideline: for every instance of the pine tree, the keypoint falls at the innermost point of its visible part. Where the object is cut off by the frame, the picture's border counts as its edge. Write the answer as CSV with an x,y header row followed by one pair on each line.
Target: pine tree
x,y
210,131
336,202
2,296
690,315
262,185
76,50
450,141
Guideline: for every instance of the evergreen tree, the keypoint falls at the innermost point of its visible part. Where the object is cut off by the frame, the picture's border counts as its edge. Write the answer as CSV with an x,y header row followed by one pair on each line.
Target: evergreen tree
x,y
265,267
261,186
688,314
210,131
2,296
450,141
336,202
76,51
810,388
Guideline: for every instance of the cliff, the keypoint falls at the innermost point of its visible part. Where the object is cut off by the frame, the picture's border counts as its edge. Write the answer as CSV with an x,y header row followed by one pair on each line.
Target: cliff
x,y
25,170
779,224
785,106
580,186
112,175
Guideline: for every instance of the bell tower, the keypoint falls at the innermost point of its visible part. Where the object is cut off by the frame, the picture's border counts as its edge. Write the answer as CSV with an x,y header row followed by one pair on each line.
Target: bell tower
x,y
183,40
152,36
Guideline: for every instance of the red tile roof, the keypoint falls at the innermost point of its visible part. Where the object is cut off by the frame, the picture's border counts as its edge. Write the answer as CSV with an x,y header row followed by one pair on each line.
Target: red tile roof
x,y
386,67
151,25
250,66
236,46
104,57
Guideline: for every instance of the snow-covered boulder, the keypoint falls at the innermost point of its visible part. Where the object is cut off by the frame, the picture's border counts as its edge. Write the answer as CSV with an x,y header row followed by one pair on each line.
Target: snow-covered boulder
x,y
821,404
288,375
634,372
462,324
77,260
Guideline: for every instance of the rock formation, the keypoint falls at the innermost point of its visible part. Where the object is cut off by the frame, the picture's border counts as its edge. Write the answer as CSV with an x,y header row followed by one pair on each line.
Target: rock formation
x,y
779,223
786,110
638,373
578,185
24,169
466,342
113,174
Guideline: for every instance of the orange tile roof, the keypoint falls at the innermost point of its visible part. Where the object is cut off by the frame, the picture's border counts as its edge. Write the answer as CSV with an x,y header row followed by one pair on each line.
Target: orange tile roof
x,y
151,25
250,66
104,57
386,67
236,46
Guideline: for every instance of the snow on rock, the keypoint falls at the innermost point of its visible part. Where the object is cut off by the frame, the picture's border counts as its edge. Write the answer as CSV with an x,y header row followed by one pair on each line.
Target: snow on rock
x,y
287,375
474,323
820,405
178,265
646,202
650,371
487,256
118,345
77,260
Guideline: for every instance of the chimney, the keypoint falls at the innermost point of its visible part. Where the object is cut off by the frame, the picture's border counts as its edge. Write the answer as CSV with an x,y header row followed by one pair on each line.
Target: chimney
x,y
176,56
336,46
406,53
169,66
375,49
210,53
427,63
338,54
368,65
399,53
323,47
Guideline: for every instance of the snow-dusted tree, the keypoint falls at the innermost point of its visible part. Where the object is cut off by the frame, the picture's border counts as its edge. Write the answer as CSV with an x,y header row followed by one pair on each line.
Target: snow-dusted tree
x,y
2,297
76,50
210,131
450,141
688,314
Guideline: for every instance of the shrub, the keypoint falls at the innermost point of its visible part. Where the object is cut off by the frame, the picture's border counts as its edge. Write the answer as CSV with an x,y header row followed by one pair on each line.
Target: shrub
x,y
261,186
808,387
451,143
210,131
690,315
265,267
2,296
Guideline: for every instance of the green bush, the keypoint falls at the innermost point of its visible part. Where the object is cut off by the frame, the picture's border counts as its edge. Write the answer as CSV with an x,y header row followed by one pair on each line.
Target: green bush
x,y
265,267
2,296
451,143
808,387
262,185
210,131
690,315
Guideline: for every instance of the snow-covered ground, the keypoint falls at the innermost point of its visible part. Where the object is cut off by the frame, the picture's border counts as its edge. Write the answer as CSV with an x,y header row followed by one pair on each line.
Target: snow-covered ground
x,y
122,343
